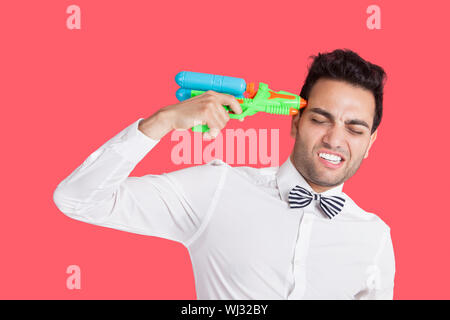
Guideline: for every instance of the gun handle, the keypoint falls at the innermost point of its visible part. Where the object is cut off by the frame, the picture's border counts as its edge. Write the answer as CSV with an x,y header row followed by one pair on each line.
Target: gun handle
x,y
200,128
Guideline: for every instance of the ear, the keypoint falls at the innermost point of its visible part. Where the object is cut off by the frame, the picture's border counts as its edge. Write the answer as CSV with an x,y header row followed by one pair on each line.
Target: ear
x,y
372,140
294,125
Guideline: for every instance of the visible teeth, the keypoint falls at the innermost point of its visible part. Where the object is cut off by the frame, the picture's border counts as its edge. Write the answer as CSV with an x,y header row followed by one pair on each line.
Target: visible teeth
x,y
330,157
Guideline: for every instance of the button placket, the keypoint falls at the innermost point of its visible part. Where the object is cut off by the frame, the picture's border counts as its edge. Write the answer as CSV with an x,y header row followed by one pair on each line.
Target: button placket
x,y
300,256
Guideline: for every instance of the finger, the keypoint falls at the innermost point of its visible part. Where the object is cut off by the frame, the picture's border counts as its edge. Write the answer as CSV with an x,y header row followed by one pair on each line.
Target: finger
x,y
220,119
223,114
219,113
229,100
216,118
214,123
207,136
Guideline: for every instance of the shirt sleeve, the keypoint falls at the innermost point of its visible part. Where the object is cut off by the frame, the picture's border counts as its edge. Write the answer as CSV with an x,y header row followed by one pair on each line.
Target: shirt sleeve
x,y
380,275
171,205
384,286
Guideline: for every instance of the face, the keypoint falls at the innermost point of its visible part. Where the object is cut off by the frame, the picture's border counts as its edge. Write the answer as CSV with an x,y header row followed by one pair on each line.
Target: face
x,y
332,136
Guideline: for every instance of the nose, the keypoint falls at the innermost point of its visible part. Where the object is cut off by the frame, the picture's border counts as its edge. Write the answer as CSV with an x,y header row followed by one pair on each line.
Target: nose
x,y
334,138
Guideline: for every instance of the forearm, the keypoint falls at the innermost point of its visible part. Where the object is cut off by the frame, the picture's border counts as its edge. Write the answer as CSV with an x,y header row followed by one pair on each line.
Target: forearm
x,y
157,125
98,178
170,205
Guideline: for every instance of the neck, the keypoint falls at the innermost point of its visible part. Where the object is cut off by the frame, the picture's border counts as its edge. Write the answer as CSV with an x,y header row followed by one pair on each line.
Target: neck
x,y
317,188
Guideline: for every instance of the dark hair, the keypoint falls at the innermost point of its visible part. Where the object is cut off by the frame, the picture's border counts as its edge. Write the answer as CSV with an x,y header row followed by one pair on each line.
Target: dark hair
x,y
348,66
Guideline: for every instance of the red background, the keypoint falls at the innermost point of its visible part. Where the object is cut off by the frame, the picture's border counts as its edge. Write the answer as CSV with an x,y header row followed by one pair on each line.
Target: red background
x,y
66,92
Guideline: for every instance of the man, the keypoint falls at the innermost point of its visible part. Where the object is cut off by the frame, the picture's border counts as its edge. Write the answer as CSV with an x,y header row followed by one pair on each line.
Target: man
x,y
267,233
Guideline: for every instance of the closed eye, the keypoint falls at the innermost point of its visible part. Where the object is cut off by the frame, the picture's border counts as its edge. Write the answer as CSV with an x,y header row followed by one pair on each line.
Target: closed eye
x,y
351,130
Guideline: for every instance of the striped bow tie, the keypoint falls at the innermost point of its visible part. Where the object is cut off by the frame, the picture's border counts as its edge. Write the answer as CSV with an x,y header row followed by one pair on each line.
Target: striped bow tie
x,y
300,197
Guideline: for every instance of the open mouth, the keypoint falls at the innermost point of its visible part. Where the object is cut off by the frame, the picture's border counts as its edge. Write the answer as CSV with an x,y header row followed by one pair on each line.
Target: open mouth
x,y
331,160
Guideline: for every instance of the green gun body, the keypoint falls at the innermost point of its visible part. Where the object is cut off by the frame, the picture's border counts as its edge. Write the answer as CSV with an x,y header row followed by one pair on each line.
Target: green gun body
x,y
265,100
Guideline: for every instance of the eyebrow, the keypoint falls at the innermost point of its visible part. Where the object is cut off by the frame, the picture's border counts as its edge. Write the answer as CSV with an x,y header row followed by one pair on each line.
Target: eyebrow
x,y
329,116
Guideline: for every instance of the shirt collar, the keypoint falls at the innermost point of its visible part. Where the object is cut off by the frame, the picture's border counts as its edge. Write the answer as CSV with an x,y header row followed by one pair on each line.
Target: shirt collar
x,y
288,177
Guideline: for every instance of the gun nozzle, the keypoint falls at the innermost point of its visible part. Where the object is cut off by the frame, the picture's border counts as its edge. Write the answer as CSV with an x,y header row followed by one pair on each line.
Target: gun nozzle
x,y
293,111
303,103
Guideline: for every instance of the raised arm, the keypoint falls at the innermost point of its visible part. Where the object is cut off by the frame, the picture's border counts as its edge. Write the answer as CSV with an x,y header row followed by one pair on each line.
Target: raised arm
x,y
171,205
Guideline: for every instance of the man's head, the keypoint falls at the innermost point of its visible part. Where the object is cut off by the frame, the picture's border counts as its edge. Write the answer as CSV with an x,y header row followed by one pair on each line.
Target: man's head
x,y
345,103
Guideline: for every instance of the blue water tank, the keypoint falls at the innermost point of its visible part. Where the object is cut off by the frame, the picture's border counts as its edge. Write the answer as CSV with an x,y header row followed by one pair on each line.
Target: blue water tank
x,y
206,81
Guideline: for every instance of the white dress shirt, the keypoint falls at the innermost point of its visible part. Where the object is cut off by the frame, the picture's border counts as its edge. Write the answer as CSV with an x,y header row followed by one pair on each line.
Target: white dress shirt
x,y
244,240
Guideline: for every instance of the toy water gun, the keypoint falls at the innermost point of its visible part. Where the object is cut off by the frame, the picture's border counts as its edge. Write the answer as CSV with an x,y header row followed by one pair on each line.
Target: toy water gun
x,y
252,101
